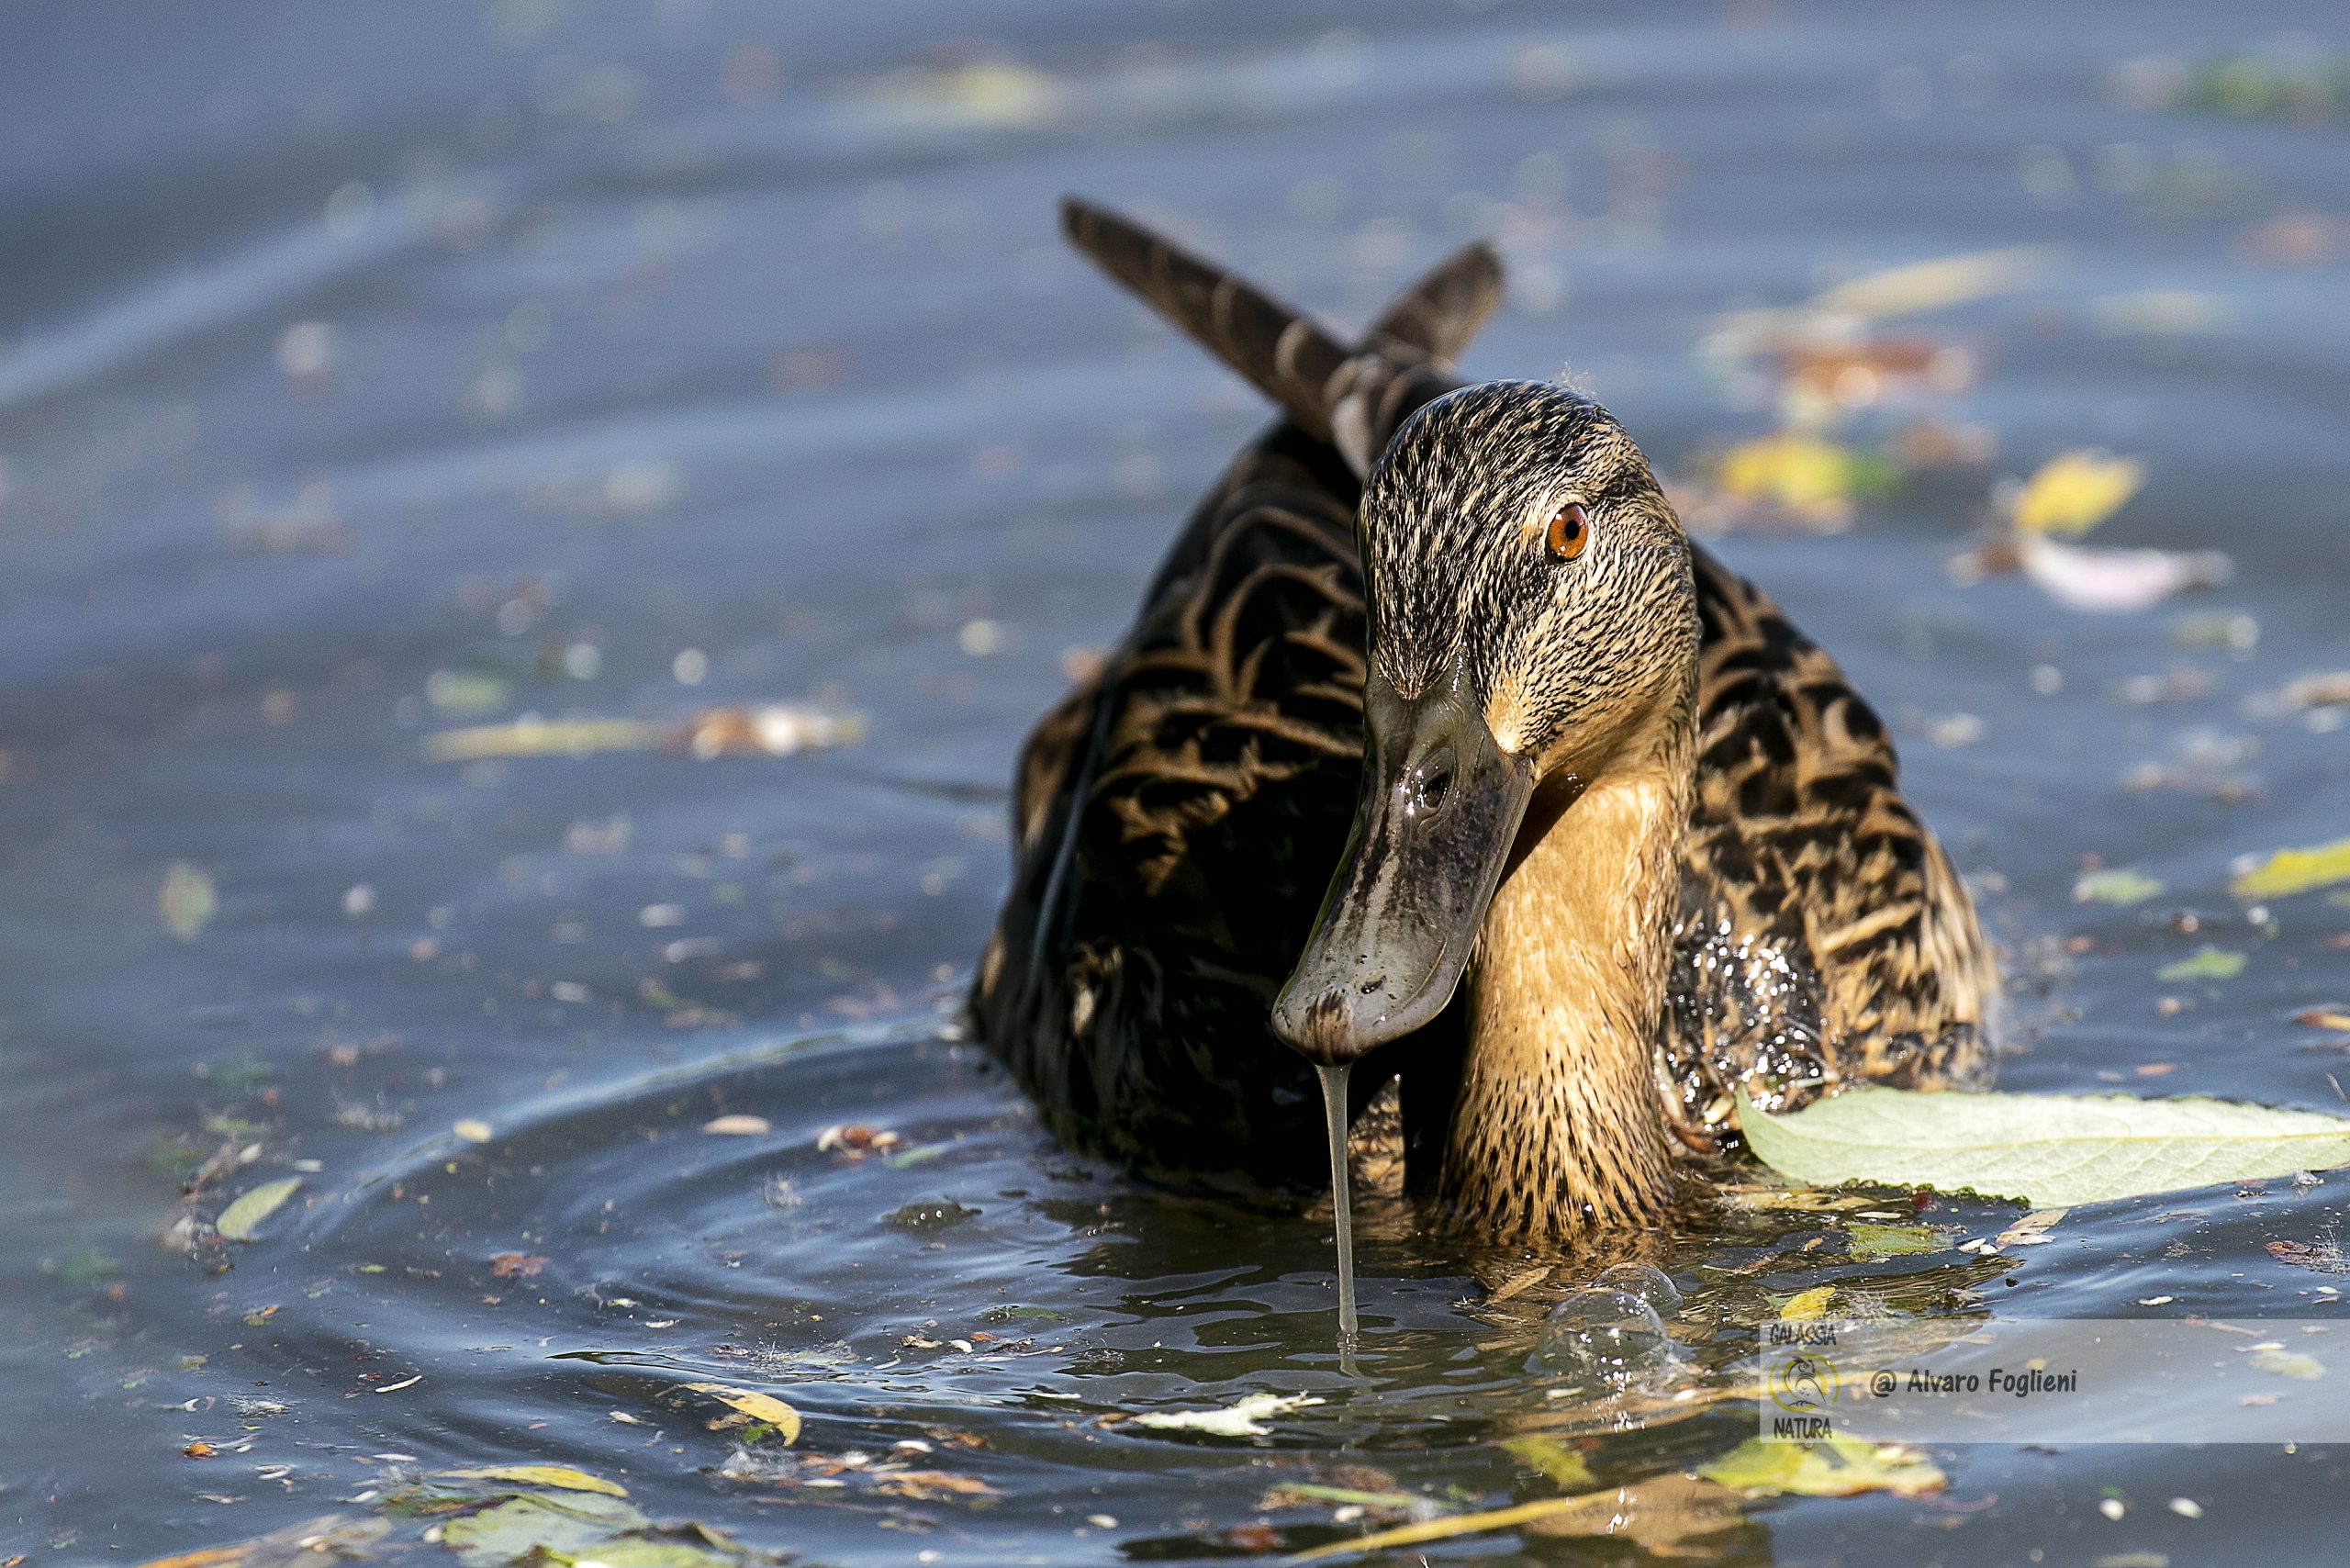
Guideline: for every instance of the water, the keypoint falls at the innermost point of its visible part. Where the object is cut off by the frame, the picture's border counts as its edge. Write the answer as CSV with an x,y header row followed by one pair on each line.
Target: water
x,y
364,378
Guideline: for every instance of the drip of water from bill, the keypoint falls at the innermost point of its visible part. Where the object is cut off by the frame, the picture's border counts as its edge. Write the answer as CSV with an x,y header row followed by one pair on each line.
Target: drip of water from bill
x,y
1333,1100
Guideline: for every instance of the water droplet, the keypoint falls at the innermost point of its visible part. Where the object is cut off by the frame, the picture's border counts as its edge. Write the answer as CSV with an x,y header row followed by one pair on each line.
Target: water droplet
x,y
1645,1280
1605,1339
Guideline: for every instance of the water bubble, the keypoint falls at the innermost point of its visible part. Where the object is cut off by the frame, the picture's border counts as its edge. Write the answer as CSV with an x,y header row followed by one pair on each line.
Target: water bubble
x,y
1607,1338
1645,1280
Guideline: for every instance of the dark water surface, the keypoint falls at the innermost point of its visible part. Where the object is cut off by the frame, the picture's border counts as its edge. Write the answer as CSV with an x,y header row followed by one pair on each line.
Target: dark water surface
x,y
370,371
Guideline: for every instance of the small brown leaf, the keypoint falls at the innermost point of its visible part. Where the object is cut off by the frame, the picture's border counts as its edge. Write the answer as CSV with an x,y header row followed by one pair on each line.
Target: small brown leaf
x,y
516,1265
857,1139
1254,1537
928,1485
1518,1284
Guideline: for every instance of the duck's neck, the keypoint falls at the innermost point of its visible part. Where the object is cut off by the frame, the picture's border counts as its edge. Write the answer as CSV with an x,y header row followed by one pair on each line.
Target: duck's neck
x,y
1557,1126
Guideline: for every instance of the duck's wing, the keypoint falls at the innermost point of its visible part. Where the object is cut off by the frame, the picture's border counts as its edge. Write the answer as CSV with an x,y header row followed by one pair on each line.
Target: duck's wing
x,y
1177,817
1824,937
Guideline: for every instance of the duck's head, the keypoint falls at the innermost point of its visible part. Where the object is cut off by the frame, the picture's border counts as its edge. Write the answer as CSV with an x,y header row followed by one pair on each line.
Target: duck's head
x,y
1531,613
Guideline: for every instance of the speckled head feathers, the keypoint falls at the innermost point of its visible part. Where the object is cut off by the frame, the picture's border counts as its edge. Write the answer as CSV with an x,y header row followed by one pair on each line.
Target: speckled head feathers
x,y
1452,523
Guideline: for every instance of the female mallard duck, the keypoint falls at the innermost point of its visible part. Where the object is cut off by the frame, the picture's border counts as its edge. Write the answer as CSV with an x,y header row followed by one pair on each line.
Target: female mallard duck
x,y
1622,838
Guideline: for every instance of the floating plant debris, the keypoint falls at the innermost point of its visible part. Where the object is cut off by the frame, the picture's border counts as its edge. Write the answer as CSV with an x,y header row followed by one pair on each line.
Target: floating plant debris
x,y
241,1219
2049,1149
1243,1418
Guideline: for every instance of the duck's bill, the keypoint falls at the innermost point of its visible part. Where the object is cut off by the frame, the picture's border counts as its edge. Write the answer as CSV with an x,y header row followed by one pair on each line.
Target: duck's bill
x,y
1441,805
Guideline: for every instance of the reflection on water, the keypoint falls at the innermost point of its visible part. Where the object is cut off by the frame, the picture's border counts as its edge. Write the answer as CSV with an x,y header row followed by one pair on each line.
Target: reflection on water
x,y
685,414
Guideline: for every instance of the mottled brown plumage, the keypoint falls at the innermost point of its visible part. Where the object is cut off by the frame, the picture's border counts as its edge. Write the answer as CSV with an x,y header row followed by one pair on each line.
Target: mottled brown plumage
x,y
1717,883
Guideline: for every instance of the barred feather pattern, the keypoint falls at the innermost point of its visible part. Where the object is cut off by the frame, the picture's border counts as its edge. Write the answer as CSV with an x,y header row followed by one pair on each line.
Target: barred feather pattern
x,y
1177,823
1823,938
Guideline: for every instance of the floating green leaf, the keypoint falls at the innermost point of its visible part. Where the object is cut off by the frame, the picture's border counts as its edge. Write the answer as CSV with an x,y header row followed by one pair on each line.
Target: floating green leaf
x,y
2120,886
1553,1458
238,1219
2046,1150
2290,871
1839,1467
1872,1242
996,1314
188,902
2206,962
529,1523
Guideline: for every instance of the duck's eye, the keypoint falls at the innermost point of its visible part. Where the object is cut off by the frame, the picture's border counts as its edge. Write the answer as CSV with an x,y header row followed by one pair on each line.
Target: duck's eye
x,y
1570,530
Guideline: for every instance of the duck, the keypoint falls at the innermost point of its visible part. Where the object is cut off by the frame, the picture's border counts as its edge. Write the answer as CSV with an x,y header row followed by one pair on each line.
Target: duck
x,y
1439,751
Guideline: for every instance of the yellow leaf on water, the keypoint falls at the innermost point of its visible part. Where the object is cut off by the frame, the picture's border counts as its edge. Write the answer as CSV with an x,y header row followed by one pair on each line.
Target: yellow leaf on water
x,y
330,1538
188,902
984,94
210,1557
1839,1467
473,1129
2030,1231
758,1407
557,1475
533,736
238,1220
1807,1306
1935,285
2075,490
1553,1458
1811,478
1443,1529
2290,871
2290,1363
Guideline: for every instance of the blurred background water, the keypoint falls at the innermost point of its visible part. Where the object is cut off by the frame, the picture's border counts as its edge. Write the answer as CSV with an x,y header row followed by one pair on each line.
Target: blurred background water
x,y
704,379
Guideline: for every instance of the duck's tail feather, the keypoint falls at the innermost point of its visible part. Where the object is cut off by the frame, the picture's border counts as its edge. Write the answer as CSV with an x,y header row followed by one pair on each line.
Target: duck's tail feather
x,y
1436,317
1351,397
1285,353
